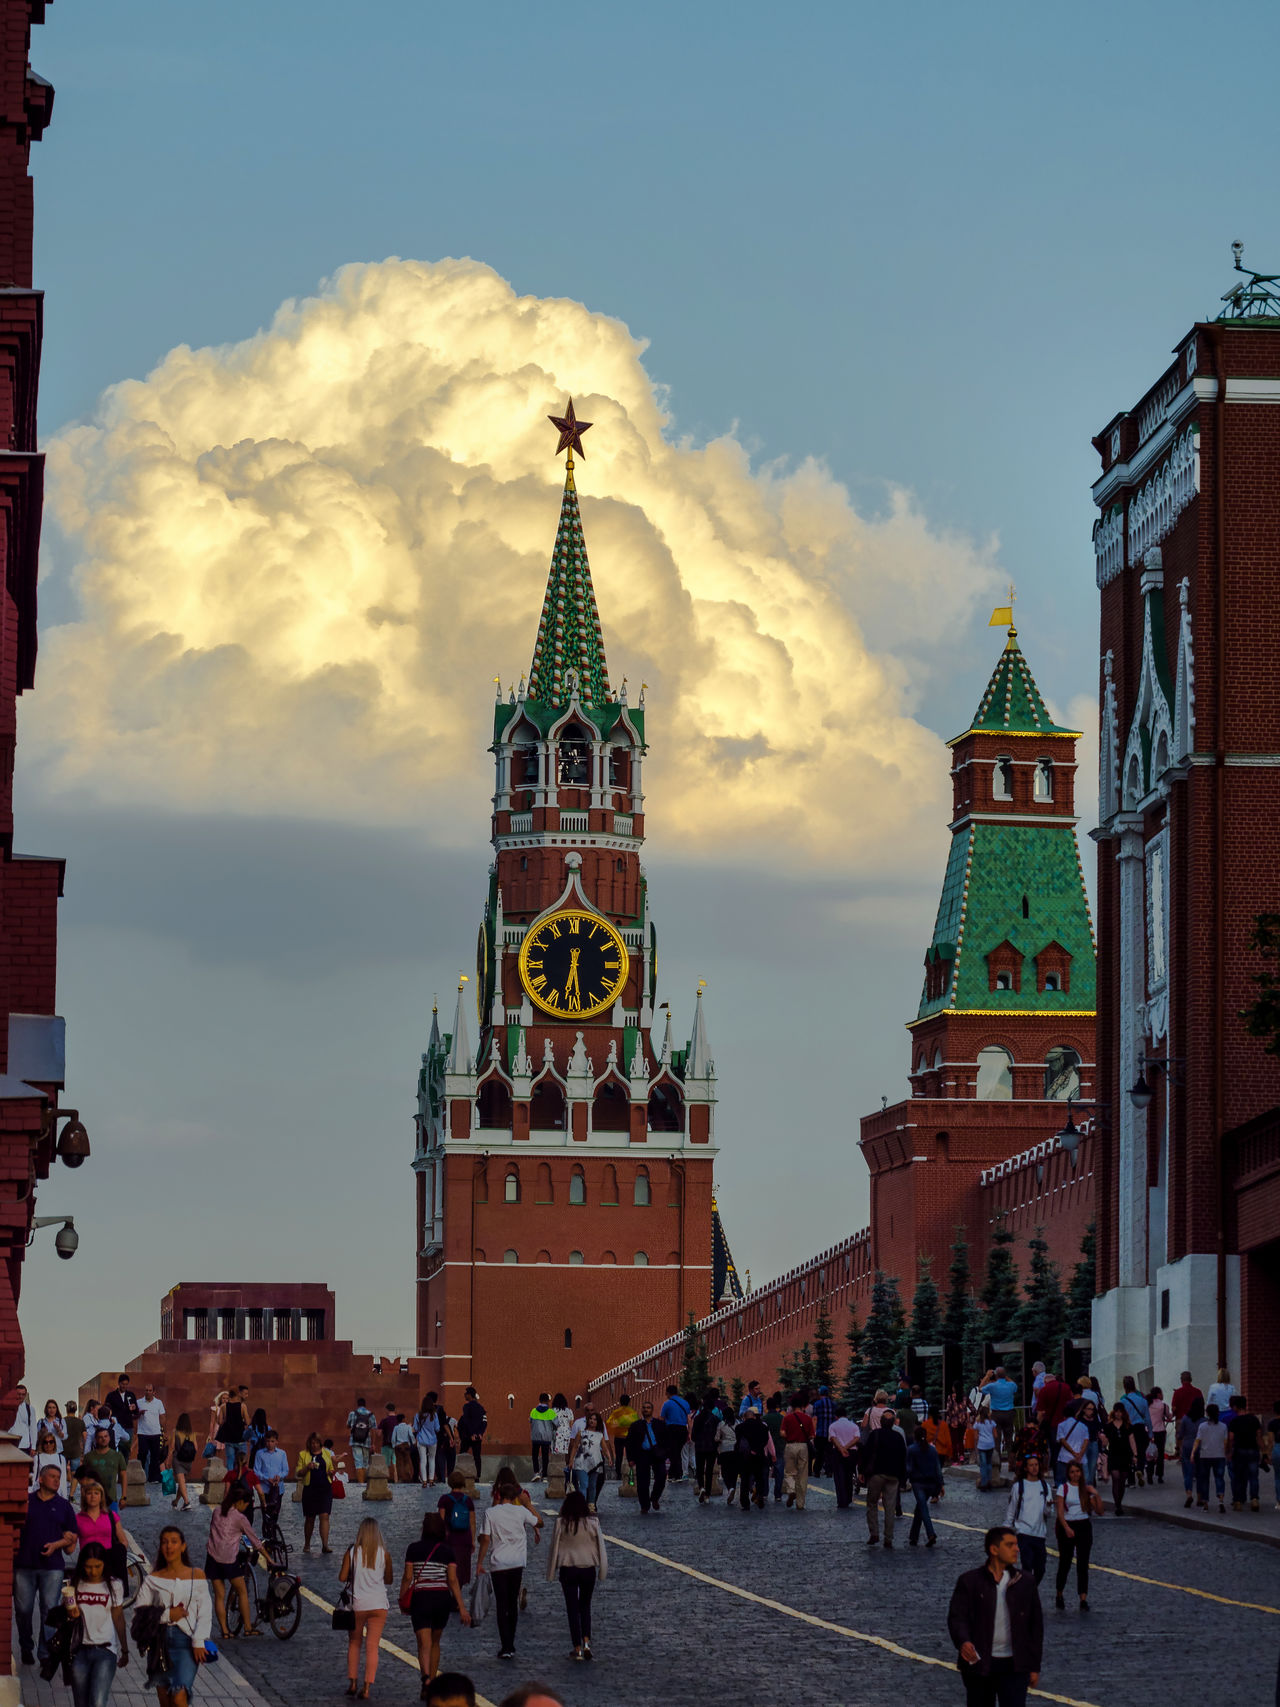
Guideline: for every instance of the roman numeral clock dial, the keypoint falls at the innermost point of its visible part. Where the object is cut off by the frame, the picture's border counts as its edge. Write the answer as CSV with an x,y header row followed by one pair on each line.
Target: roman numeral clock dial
x,y
574,964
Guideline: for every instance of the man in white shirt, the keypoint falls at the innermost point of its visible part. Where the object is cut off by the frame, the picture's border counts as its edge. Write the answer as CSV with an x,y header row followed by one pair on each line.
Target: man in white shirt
x,y
24,1422
150,1432
843,1436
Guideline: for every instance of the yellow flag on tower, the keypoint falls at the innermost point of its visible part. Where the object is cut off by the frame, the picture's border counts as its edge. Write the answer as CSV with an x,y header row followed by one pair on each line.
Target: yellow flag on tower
x,y
1001,617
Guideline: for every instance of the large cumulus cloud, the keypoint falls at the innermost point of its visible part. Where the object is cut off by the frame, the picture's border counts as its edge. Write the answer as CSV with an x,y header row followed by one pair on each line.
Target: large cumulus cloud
x,y
300,560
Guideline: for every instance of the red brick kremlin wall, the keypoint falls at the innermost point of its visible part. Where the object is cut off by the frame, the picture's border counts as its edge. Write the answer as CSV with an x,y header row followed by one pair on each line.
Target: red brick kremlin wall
x,y
29,889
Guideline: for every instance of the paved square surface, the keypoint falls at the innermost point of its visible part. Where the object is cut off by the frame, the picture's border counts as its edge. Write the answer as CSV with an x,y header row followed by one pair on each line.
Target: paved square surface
x,y
709,1603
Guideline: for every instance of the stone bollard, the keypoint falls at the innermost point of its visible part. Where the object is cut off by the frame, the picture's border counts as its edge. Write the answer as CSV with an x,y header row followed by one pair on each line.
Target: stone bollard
x,y
376,1486
627,1486
556,1476
215,1479
135,1485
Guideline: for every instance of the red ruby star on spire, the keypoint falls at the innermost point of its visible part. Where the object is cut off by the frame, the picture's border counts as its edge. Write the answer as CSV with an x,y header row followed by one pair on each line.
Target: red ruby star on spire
x,y
571,430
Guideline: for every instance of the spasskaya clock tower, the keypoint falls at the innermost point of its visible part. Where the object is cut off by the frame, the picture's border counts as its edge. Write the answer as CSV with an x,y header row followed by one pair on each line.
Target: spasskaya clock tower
x,y
564,1163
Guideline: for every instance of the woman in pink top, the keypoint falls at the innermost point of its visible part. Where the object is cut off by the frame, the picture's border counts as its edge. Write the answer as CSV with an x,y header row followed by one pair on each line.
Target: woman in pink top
x,y
222,1561
95,1522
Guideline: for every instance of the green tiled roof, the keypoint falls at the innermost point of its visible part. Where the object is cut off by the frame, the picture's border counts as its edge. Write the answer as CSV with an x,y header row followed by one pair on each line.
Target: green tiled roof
x,y
1012,704
603,717
569,636
991,867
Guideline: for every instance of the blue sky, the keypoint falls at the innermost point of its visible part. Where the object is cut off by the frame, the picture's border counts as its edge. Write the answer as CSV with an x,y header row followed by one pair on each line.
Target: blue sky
x,y
933,247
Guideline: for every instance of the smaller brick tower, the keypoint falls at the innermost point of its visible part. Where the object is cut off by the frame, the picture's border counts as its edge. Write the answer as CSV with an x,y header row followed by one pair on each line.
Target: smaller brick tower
x,y
1004,1031
564,1165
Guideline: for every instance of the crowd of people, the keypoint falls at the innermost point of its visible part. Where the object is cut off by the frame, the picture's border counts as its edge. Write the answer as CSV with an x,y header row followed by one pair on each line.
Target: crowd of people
x,y
72,1567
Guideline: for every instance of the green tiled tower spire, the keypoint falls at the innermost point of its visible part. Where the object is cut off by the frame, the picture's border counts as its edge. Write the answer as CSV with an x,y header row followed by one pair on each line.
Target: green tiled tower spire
x,y
569,636
1013,932
1012,704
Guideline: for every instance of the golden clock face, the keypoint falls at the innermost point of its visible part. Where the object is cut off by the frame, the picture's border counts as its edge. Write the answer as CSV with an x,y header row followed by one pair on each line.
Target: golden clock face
x,y
574,964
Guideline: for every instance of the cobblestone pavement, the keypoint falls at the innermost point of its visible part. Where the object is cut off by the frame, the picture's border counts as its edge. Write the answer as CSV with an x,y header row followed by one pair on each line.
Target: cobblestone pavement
x,y
662,1635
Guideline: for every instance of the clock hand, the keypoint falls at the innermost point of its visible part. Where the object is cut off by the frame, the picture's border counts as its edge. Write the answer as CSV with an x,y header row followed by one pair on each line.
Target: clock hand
x,y
571,984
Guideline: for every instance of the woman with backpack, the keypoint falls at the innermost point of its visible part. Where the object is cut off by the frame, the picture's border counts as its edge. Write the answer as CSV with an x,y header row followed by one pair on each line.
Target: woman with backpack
x,y
429,1592
705,1433
1029,1508
182,1455
458,1510
578,1558
367,1567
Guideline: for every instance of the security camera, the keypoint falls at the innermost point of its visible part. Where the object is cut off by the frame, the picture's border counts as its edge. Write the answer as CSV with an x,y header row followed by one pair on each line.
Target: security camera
x,y
67,1241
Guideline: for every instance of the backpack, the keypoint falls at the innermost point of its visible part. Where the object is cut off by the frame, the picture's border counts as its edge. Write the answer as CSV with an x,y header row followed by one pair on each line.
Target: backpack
x,y
459,1512
360,1430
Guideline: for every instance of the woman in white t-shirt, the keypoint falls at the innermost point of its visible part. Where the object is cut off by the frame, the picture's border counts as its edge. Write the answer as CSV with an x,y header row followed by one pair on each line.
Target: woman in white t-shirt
x,y
1076,1504
1221,1391
504,1553
588,1455
367,1567
49,1451
98,1601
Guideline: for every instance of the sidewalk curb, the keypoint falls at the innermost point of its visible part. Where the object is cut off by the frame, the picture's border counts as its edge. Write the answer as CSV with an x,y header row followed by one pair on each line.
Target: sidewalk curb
x,y
1230,1524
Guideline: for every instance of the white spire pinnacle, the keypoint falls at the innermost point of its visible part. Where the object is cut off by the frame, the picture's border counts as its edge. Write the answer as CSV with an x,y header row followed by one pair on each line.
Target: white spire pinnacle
x,y
700,1065
460,1048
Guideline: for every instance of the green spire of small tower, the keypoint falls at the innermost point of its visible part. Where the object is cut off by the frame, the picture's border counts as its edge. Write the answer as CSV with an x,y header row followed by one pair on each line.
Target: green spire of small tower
x,y
1012,704
569,634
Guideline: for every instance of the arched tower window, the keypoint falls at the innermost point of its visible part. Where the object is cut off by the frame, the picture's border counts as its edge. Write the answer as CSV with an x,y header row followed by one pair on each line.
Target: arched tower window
x,y
1002,779
620,767
511,1256
573,768
1043,785
611,1111
511,1187
546,1110
666,1109
641,1259
577,1186
524,765
643,1194
1061,1074
576,1259
995,1074
495,1106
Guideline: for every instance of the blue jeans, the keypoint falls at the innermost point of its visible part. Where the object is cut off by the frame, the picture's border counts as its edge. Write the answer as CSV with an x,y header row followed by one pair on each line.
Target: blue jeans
x,y
1203,1467
584,1481
779,1471
1244,1473
93,1671
28,1587
1091,1463
985,1455
921,1516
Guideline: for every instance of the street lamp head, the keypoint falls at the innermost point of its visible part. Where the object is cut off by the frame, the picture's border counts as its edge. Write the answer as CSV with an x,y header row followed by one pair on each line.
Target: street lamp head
x,y
1069,1137
1141,1096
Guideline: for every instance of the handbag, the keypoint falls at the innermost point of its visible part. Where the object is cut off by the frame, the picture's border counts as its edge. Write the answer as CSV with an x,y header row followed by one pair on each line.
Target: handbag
x,y
168,1482
338,1488
406,1599
344,1617
210,1450
481,1597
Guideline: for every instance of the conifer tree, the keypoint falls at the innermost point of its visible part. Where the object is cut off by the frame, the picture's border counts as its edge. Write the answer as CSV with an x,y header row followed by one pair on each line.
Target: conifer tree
x,y
851,1388
926,1327
972,1338
824,1361
737,1387
695,1372
881,1340
1083,1287
1000,1288
926,1311
1042,1314
959,1296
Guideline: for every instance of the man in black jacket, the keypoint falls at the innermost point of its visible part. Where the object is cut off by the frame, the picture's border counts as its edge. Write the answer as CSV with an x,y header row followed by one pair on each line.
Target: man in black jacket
x,y
647,1450
885,1458
997,1626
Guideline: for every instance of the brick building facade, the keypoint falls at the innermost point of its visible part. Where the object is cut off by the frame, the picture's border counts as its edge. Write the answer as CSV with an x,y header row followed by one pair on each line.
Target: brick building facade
x,y
33,1129
564,1163
279,1340
1187,546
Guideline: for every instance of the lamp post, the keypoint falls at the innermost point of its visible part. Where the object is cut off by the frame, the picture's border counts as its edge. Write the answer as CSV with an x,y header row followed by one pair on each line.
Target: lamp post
x,y
1069,1137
